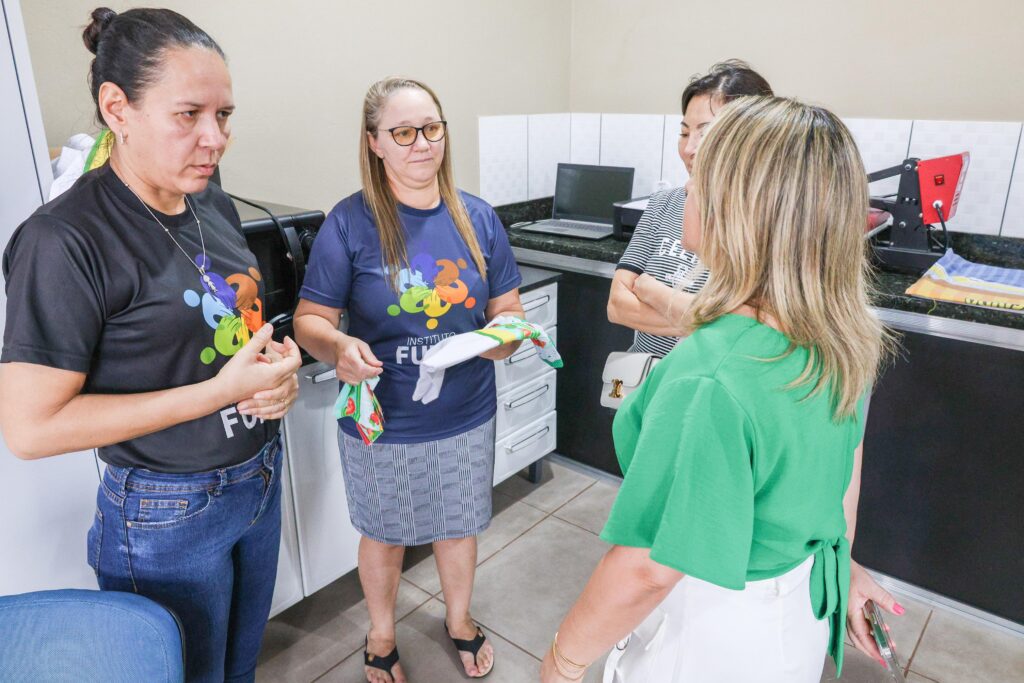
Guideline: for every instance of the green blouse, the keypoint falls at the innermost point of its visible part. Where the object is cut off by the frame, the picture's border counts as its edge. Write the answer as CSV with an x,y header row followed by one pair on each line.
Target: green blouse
x,y
729,476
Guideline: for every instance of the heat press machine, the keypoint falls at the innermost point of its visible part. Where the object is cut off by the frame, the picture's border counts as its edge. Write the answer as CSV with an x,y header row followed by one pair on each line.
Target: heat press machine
x,y
928,193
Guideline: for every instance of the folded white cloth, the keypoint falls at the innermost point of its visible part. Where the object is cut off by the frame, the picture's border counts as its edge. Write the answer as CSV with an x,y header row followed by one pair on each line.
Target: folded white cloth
x,y
463,347
70,165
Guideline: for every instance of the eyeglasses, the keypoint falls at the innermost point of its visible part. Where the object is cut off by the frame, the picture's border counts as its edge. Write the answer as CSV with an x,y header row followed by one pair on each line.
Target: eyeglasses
x,y
406,135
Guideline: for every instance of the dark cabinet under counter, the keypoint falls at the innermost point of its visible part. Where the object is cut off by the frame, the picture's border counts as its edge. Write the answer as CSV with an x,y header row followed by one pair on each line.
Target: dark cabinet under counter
x,y
585,340
941,504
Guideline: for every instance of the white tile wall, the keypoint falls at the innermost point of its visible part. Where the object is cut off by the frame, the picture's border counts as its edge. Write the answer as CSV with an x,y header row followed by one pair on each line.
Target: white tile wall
x,y
1013,221
585,142
549,145
672,169
634,140
503,159
993,147
882,143
519,156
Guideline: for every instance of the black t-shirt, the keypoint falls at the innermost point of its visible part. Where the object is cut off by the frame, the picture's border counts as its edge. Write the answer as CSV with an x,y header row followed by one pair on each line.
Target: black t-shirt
x,y
94,285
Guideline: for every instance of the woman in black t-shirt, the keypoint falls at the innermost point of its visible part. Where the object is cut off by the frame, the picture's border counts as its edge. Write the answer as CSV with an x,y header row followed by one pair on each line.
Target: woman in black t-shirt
x,y
135,326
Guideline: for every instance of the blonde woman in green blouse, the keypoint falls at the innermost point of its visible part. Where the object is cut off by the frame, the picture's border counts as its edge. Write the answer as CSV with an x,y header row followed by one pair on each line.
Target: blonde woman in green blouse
x,y
733,527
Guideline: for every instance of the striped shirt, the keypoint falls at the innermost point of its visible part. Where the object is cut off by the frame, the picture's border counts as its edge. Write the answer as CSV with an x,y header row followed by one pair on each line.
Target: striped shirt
x,y
656,249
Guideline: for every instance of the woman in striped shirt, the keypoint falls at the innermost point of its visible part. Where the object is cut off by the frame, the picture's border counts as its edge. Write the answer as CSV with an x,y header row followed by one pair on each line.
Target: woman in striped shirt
x,y
656,277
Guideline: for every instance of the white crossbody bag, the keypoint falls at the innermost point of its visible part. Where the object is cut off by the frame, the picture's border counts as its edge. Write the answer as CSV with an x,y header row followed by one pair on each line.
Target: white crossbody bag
x,y
623,373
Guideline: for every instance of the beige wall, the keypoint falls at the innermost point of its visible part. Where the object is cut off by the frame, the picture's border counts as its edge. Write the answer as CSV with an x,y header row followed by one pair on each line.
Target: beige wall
x,y
301,69
911,59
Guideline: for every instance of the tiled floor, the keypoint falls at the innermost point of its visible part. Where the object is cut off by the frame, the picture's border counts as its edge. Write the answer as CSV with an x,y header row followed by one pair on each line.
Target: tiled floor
x,y
533,562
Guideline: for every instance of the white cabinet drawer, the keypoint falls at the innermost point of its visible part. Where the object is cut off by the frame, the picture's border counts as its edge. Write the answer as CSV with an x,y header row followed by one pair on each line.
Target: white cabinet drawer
x,y
524,446
520,405
541,306
523,365
328,543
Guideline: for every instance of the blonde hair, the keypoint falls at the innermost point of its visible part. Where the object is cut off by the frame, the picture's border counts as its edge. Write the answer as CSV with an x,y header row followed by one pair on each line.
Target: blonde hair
x,y
377,191
783,202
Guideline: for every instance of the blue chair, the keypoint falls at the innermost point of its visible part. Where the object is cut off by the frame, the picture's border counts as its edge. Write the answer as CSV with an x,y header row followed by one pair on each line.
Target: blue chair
x,y
81,635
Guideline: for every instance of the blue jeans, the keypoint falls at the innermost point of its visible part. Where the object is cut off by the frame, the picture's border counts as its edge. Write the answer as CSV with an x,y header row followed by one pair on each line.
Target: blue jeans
x,y
204,545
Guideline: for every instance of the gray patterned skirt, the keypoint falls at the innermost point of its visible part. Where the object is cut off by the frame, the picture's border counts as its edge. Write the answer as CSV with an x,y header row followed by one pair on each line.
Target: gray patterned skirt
x,y
417,493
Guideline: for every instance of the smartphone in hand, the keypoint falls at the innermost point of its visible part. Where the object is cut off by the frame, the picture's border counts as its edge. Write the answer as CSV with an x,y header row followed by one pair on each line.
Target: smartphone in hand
x,y
886,647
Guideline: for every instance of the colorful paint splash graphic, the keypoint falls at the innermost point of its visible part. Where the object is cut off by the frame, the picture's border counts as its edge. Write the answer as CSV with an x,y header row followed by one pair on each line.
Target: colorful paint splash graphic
x,y
234,312
432,286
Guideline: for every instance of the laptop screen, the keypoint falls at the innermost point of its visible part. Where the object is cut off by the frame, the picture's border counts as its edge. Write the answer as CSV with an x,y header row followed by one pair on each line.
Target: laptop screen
x,y
586,193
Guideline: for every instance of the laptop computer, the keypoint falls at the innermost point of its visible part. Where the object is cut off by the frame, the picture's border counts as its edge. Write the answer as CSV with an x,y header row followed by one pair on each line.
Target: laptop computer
x,y
584,195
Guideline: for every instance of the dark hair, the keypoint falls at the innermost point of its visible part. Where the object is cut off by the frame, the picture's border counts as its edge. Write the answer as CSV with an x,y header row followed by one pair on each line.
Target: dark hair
x,y
727,80
130,47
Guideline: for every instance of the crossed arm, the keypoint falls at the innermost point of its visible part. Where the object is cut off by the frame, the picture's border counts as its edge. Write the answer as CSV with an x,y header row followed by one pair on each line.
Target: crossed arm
x,y
642,303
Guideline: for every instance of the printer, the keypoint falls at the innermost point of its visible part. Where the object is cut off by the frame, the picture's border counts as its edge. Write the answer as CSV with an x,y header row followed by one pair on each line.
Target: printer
x,y
626,215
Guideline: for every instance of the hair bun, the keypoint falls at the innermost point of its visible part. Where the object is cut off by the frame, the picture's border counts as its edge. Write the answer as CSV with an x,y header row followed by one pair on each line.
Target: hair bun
x,y
101,18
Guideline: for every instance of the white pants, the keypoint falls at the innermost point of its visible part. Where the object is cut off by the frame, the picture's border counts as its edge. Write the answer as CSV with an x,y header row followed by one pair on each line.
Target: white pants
x,y
702,633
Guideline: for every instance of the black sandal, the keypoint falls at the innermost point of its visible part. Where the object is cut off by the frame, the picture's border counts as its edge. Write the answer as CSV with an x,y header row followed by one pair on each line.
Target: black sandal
x,y
385,664
471,646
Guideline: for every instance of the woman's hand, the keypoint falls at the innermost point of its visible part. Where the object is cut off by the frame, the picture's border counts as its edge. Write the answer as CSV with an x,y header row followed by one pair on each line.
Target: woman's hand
x,y
356,362
642,286
250,371
862,589
550,674
650,291
272,404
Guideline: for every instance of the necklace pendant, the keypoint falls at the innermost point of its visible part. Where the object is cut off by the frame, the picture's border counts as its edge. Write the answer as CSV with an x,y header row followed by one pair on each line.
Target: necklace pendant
x,y
200,266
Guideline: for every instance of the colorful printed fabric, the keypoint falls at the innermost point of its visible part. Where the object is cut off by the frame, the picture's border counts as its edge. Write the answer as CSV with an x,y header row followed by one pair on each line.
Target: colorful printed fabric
x,y
958,281
519,330
100,152
469,345
358,402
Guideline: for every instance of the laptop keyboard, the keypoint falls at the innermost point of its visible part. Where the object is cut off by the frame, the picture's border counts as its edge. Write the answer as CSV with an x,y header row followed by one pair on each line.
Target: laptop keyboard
x,y
569,228
575,225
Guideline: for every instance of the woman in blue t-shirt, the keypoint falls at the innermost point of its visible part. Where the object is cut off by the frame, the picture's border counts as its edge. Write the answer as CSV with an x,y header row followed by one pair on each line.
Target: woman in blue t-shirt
x,y
411,260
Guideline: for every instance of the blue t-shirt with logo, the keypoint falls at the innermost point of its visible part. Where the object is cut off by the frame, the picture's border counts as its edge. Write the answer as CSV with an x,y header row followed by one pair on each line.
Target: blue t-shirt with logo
x,y
441,294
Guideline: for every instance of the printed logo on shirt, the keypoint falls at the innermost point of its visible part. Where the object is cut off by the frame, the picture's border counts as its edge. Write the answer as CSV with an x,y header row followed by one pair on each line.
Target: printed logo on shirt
x,y
689,275
416,347
670,247
229,417
432,287
231,308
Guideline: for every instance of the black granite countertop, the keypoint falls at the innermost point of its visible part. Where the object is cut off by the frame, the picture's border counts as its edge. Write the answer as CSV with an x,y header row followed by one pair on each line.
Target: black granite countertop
x,y
891,287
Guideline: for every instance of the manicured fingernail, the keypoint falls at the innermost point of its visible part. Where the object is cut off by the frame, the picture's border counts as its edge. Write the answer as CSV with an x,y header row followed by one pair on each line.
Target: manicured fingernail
x,y
898,608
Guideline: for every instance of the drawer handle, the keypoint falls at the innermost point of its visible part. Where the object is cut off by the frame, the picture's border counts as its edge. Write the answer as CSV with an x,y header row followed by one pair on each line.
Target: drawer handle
x,y
527,398
520,356
528,441
322,377
534,304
